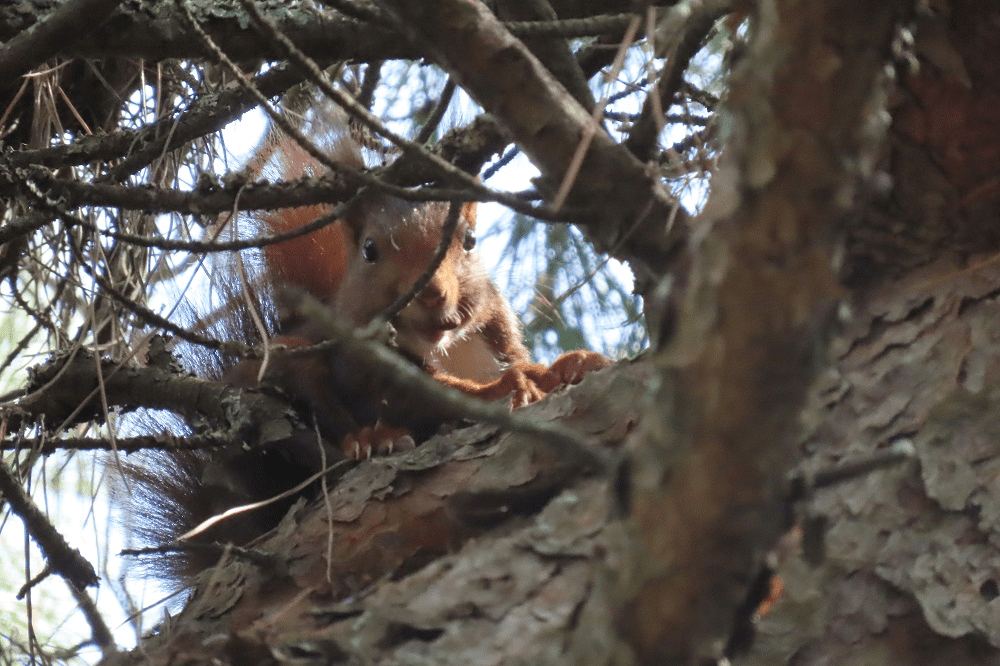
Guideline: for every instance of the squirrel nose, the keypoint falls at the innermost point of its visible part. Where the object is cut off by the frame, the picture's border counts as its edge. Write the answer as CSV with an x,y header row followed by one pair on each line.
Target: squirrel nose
x,y
432,296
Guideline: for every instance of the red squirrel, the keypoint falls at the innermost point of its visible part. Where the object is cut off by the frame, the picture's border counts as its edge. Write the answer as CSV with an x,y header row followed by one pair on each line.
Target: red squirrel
x,y
460,328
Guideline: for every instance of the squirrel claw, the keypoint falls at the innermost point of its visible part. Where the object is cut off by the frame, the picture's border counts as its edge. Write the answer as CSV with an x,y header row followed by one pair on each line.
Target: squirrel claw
x,y
527,392
519,383
532,382
525,383
376,440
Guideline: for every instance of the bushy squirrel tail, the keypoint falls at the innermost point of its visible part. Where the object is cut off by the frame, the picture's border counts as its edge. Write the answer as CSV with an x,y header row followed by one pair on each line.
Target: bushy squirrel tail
x,y
166,494
170,493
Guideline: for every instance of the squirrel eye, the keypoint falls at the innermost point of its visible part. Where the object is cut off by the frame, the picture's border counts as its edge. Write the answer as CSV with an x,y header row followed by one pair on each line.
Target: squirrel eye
x,y
469,242
369,251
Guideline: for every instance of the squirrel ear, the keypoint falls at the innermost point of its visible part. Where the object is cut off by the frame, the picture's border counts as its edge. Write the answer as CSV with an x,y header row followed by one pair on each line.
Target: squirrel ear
x,y
469,213
353,222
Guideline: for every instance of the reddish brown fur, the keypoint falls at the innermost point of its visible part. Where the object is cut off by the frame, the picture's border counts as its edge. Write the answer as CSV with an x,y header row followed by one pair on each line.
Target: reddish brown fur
x,y
460,327
314,263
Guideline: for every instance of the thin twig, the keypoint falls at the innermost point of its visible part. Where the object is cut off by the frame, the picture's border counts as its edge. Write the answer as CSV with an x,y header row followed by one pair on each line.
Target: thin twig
x,y
445,241
607,24
99,630
244,508
591,130
363,115
434,119
804,484
567,445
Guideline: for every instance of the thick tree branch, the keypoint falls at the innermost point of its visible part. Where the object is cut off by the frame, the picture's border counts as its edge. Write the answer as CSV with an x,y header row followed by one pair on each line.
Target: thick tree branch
x,y
555,54
708,472
626,201
66,25
148,30
66,388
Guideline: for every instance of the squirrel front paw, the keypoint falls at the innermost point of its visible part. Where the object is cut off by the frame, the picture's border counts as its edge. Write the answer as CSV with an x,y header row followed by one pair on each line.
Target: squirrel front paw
x,y
525,383
529,382
571,367
378,439
519,383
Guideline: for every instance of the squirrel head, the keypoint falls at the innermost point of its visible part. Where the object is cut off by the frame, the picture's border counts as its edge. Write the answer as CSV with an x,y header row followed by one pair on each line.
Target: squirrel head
x,y
376,252
391,243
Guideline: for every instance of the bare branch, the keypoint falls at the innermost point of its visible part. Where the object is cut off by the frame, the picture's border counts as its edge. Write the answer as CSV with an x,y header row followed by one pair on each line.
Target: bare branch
x,y
60,556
